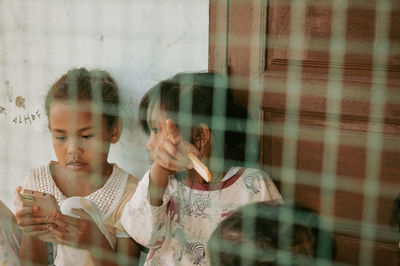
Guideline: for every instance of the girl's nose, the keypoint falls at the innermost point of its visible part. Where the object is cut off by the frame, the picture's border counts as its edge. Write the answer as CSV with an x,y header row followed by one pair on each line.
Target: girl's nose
x,y
73,146
150,142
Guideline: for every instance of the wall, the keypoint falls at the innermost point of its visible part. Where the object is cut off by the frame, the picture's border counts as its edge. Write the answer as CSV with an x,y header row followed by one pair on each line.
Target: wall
x,y
139,42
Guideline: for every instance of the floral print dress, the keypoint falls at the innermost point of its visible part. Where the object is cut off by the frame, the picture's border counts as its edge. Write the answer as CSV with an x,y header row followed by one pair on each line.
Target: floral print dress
x,y
177,231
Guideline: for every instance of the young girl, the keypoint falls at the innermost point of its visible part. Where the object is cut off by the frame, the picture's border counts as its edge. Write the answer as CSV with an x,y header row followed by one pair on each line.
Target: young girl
x,y
82,108
253,234
174,211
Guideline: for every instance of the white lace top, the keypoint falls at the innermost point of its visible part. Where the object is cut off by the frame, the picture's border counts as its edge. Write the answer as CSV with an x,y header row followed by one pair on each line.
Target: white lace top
x,y
106,198
110,200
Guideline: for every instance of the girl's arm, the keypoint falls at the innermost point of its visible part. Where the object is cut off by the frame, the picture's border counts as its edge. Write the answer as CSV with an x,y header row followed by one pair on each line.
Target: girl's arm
x,y
143,221
158,182
32,251
171,155
145,216
129,249
127,253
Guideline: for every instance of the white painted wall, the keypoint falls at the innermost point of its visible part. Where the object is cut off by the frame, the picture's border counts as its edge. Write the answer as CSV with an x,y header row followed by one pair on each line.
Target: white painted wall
x,y
139,42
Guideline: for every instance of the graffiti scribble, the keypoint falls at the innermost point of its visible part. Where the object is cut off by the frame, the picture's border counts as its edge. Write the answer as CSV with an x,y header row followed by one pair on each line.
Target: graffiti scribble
x,y
10,92
3,110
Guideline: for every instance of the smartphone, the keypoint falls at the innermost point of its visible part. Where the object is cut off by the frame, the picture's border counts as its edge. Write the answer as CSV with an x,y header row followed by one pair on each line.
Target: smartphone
x,y
46,202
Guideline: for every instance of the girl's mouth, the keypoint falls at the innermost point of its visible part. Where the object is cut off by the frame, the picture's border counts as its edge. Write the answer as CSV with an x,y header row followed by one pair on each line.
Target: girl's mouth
x,y
76,165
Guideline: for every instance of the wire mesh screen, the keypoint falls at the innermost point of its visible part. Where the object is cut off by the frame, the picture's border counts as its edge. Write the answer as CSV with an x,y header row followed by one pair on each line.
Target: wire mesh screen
x,y
285,152
323,81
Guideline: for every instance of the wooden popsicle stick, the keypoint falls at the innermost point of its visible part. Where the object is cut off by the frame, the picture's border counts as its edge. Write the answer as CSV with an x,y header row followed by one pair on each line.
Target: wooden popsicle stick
x,y
200,167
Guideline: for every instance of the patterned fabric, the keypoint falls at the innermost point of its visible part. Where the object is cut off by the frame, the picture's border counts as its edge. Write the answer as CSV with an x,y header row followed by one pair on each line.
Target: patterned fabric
x,y
9,245
177,231
10,237
50,253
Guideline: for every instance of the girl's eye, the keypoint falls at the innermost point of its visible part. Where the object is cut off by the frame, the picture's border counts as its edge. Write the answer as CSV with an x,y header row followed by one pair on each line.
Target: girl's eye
x,y
155,130
87,136
61,138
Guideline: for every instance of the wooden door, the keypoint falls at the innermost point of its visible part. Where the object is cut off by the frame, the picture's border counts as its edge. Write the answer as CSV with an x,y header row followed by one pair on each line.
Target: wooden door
x,y
323,78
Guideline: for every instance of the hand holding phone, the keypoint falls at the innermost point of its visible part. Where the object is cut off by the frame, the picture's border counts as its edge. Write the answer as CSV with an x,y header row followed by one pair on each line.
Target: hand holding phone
x,y
32,216
46,203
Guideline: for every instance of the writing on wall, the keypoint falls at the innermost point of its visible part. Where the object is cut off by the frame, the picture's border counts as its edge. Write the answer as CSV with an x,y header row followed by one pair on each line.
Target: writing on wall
x,y
27,118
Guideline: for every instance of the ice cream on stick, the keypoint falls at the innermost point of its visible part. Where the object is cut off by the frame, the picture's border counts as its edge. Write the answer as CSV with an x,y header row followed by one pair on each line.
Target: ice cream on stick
x,y
200,167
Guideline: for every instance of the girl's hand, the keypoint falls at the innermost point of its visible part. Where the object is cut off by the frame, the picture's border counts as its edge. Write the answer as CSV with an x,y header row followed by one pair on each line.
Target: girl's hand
x,y
77,232
170,155
30,224
171,151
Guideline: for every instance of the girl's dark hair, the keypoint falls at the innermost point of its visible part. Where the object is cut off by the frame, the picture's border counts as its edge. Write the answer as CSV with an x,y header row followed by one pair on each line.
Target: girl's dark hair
x,y
191,99
81,85
258,227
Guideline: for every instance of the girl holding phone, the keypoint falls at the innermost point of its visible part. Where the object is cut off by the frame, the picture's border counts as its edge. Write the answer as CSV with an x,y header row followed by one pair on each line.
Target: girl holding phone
x,y
83,112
